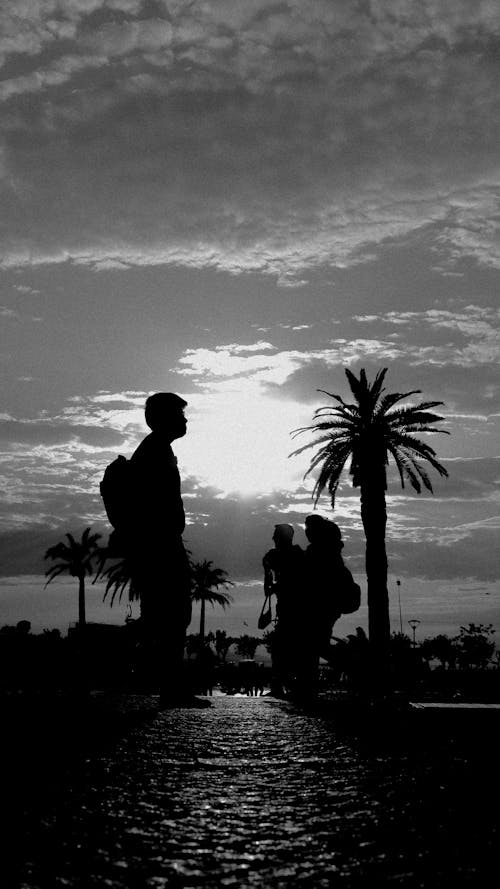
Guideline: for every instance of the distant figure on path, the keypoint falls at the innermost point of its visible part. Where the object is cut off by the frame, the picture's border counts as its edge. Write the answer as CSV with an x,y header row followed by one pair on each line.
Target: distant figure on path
x,y
160,567
283,576
205,670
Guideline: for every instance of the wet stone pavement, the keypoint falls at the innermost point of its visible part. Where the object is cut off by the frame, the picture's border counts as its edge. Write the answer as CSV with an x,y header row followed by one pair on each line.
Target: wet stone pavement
x,y
256,793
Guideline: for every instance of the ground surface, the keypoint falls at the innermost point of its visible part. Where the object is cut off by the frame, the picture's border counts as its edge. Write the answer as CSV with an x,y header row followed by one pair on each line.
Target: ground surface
x,y
256,793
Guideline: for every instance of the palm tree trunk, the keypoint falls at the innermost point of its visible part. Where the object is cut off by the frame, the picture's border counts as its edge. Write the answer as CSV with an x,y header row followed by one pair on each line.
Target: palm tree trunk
x,y
81,600
374,517
202,622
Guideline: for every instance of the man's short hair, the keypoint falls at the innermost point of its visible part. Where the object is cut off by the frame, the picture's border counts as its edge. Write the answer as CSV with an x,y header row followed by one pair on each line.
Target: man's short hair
x,y
161,405
284,530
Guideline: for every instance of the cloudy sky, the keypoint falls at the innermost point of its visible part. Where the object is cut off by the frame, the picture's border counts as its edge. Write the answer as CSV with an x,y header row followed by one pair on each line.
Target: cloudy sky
x,y
235,200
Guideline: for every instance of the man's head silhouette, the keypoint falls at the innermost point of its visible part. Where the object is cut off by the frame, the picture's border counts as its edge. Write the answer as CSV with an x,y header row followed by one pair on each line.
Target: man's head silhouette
x,y
164,413
283,535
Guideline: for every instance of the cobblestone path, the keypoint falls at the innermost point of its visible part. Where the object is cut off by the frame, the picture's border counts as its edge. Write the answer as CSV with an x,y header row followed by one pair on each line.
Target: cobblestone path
x,y
252,793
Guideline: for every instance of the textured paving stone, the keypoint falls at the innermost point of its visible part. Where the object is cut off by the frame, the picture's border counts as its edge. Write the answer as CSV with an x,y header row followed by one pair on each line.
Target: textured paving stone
x,y
255,793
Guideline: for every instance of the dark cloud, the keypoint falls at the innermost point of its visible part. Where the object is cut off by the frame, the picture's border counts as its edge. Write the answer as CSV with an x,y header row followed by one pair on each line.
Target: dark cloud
x,y
476,478
39,433
268,138
22,551
236,532
472,389
476,556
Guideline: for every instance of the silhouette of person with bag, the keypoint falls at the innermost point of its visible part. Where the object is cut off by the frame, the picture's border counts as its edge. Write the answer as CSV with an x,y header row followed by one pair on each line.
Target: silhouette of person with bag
x,y
159,563
331,589
283,575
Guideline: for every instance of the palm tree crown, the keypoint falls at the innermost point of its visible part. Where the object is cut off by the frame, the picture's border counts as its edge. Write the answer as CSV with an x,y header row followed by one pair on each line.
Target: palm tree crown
x,y
369,431
75,558
205,581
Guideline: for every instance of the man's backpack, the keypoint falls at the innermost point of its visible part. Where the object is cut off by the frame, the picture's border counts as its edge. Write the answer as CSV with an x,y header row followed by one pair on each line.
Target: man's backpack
x,y
349,593
116,493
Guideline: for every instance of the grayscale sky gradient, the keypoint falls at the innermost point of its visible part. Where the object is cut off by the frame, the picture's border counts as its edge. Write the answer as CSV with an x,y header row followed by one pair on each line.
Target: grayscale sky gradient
x,y
235,200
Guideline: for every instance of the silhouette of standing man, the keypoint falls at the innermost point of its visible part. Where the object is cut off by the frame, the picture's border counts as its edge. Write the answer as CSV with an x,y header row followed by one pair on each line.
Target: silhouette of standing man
x,y
160,566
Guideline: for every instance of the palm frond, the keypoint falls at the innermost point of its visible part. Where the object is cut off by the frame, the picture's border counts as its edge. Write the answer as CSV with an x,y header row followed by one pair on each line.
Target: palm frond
x,y
330,473
58,551
376,388
118,578
406,469
216,598
358,387
407,416
399,461
423,475
311,444
336,398
392,398
421,428
422,449
53,572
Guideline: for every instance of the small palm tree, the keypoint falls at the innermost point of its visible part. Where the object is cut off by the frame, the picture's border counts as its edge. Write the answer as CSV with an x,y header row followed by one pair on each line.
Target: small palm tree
x,y
205,582
369,431
75,558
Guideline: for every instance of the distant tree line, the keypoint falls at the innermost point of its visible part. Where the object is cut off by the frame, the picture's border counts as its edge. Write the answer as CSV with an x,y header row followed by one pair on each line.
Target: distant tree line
x,y
244,646
49,659
472,649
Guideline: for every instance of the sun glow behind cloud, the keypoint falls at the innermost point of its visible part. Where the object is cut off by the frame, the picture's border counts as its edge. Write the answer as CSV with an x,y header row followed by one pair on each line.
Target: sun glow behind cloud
x,y
239,440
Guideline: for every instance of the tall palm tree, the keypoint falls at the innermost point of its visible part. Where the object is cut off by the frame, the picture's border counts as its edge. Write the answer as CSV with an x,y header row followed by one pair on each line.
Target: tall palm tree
x,y
369,431
77,559
205,582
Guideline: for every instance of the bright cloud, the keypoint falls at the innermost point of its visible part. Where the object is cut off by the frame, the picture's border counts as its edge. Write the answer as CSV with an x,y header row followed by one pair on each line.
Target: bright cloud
x,y
477,325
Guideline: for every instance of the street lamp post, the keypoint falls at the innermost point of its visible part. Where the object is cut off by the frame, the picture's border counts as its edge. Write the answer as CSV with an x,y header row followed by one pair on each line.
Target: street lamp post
x,y
414,624
398,584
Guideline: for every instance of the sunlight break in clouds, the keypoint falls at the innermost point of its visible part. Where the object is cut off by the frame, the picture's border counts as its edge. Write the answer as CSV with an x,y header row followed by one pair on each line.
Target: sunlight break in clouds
x,y
238,438
239,441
